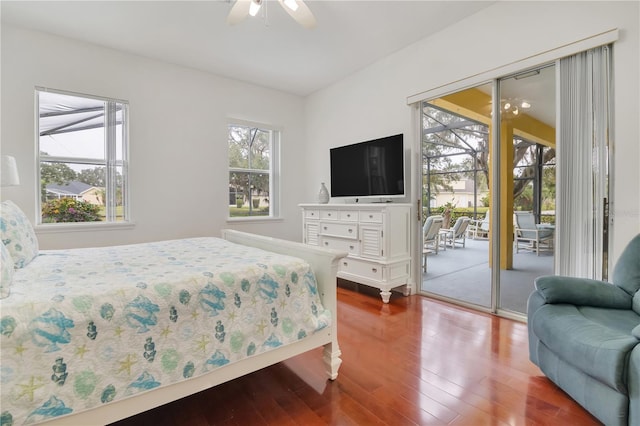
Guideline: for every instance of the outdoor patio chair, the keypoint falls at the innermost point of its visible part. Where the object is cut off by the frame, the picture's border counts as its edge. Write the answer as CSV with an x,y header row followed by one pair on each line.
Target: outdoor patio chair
x,y
431,237
457,234
479,228
531,236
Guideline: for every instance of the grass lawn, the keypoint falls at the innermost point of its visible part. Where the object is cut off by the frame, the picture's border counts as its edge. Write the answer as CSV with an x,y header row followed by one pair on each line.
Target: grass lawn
x,y
244,211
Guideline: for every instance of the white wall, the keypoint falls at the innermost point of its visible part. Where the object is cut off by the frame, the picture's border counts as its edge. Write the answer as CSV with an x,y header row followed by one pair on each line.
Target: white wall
x,y
178,148
372,103
177,136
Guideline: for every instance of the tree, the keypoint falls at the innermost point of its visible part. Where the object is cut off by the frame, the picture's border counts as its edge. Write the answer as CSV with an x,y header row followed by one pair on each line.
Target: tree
x,y
94,177
58,173
249,149
454,148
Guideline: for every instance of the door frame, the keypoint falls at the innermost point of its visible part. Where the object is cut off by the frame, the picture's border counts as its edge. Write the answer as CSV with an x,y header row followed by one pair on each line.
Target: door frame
x,y
491,76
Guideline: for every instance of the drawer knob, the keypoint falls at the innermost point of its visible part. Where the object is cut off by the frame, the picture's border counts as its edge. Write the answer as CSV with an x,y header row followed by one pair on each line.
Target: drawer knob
x,y
324,227
345,263
350,230
328,214
326,243
351,247
348,215
370,216
374,270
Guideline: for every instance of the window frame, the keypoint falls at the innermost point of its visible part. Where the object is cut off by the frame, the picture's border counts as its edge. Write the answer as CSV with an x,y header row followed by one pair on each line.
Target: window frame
x,y
273,171
110,162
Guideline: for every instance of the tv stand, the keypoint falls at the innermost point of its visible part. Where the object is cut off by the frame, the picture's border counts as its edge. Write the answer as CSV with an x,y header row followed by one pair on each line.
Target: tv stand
x,y
376,236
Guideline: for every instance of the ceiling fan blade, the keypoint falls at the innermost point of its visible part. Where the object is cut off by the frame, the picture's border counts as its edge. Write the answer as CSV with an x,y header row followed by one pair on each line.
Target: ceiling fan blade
x,y
302,14
239,11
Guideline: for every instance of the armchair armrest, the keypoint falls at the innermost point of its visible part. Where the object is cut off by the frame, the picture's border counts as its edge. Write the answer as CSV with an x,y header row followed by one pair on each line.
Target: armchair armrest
x,y
582,292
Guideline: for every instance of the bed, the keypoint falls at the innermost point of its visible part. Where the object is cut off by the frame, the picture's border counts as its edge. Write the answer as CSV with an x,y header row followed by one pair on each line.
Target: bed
x,y
91,336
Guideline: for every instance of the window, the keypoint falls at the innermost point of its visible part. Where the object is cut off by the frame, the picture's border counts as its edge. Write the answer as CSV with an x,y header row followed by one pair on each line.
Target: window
x,y
82,155
252,170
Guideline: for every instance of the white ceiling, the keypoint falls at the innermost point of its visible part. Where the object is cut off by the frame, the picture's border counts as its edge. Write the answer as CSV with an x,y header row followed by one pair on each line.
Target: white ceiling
x,y
272,51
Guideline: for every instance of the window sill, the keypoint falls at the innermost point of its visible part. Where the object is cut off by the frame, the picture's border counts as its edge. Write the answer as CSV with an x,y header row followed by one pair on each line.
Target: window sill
x,y
254,219
52,228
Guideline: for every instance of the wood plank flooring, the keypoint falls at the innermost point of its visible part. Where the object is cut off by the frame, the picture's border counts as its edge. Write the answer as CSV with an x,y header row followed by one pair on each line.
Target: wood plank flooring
x,y
415,361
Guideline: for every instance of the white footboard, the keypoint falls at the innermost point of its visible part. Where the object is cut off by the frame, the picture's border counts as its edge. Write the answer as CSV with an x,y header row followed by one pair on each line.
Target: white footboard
x,y
325,265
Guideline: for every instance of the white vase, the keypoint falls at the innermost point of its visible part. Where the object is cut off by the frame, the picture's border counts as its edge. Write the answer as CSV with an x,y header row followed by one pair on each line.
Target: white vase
x,y
323,195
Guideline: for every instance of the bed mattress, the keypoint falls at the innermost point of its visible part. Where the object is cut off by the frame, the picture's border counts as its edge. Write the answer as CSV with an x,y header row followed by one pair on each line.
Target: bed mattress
x,y
85,327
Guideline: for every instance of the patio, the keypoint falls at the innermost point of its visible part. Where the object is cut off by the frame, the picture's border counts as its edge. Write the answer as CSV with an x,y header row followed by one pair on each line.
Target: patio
x,y
464,274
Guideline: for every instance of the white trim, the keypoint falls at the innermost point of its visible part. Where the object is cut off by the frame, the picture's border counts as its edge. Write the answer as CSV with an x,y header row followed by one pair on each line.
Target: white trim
x,y
250,219
80,95
249,123
65,227
274,169
569,49
110,162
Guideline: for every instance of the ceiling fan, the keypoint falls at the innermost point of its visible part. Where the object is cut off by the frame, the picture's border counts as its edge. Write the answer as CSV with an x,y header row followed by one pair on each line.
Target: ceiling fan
x,y
296,8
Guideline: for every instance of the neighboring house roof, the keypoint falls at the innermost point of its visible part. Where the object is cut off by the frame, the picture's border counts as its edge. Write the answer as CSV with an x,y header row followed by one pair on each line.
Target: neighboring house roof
x,y
70,188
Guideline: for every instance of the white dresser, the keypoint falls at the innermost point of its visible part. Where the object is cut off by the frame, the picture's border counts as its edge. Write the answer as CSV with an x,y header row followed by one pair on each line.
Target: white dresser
x,y
376,236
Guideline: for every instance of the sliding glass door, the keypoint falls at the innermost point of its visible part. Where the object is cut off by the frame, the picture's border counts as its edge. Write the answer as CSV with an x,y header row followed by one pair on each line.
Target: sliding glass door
x,y
455,187
527,142
459,184
529,204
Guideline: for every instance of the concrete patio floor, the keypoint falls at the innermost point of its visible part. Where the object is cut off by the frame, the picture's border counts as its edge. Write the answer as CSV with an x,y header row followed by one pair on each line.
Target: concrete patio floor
x,y
464,274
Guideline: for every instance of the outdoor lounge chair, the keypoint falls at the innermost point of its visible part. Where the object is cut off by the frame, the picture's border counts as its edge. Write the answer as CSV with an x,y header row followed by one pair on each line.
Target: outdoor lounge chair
x,y
431,237
531,236
457,234
479,228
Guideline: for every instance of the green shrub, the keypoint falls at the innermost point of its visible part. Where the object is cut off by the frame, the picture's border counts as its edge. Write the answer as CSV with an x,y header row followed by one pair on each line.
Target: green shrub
x,y
70,210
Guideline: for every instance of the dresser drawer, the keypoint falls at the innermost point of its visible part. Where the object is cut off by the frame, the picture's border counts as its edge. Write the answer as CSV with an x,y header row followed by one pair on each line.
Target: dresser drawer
x,y
344,230
370,216
312,214
367,270
329,214
341,244
348,215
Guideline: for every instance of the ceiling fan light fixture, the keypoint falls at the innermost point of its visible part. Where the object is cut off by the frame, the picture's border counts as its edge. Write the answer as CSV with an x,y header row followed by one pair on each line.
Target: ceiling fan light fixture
x,y
297,9
254,7
291,4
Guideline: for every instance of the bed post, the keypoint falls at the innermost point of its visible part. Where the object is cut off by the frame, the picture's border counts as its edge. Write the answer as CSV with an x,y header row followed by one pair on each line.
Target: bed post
x,y
331,353
332,359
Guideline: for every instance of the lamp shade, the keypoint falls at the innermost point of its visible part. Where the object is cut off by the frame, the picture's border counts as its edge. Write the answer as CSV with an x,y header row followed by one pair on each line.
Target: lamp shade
x,y
9,171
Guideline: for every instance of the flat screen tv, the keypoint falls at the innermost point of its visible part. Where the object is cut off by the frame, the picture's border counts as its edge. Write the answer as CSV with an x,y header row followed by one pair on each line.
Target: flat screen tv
x,y
373,168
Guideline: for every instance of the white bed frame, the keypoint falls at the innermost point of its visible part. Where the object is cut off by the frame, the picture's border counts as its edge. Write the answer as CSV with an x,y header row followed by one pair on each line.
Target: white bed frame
x,y
325,265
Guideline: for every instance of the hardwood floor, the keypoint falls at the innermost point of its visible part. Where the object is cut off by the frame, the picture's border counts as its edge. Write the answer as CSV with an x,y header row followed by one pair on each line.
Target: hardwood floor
x,y
414,361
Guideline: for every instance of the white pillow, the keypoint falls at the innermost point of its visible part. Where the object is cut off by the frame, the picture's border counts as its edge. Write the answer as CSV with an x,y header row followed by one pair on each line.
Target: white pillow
x,y
17,234
7,272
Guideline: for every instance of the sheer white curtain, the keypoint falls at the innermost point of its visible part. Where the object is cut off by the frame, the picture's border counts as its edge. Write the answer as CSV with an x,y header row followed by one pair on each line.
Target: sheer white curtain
x,y
584,125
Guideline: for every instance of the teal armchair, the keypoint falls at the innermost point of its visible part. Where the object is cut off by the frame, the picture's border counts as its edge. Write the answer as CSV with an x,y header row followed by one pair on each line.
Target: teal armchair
x,y
585,337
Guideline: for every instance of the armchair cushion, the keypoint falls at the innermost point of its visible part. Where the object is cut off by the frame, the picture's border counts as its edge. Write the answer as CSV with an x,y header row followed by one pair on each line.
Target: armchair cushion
x,y
582,292
590,346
